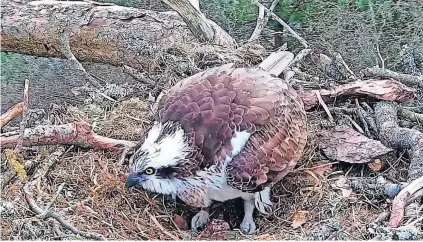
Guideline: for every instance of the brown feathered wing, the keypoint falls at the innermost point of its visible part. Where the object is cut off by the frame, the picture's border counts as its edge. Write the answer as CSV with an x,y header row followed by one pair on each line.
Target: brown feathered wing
x,y
212,105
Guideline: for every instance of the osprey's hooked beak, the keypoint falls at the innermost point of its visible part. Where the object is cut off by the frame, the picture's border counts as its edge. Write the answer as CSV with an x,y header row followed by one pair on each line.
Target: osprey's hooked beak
x,y
132,180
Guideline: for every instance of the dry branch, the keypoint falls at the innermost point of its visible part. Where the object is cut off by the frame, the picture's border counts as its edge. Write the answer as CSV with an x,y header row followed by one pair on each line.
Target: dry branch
x,y
10,114
204,29
67,52
388,90
79,134
404,78
286,26
259,26
47,213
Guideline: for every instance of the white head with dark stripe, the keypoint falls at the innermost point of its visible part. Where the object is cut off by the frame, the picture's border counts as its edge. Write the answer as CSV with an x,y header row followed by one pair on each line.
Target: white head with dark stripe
x,y
152,165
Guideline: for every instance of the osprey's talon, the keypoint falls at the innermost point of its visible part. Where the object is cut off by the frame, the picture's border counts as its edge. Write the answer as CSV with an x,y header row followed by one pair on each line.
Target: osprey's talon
x,y
199,220
248,226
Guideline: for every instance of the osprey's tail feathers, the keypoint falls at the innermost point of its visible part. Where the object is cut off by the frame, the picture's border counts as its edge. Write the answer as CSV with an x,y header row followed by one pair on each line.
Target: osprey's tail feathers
x,y
277,62
262,201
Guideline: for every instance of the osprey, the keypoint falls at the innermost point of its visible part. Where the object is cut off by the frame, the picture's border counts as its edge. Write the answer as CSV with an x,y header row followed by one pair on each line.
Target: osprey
x,y
221,134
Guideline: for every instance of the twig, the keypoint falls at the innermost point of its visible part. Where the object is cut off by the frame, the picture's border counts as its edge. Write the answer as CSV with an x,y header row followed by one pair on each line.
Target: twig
x,y
400,201
10,114
354,124
8,175
359,111
259,26
279,20
53,200
164,231
79,133
39,211
49,162
319,97
262,20
303,53
339,59
67,52
18,146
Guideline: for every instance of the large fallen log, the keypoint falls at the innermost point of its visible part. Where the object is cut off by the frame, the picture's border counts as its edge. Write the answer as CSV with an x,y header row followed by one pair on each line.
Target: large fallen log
x,y
99,33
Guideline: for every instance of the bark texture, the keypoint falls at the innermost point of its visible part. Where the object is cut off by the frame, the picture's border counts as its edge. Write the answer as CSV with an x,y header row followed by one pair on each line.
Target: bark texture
x,y
108,34
400,138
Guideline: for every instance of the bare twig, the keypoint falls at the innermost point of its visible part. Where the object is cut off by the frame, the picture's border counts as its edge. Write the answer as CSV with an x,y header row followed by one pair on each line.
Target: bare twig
x,y
359,111
67,52
303,53
204,29
286,26
49,162
10,114
45,213
18,146
323,104
340,60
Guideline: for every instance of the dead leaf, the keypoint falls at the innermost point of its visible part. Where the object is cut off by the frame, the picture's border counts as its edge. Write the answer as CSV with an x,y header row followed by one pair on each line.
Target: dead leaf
x,y
300,217
376,165
346,144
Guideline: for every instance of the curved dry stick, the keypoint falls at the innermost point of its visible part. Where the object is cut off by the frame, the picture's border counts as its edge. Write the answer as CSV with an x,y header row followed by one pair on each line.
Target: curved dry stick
x,y
47,213
10,114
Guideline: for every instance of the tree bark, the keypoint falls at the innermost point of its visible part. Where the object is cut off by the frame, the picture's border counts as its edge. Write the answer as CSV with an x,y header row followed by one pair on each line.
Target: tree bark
x,y
98,33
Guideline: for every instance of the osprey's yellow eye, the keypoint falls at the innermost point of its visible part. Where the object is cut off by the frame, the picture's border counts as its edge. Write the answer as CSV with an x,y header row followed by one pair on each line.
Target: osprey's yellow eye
x,y
150,171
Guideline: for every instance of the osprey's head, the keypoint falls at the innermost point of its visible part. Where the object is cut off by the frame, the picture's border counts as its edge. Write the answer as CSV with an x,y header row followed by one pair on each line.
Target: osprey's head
x,y
153,164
